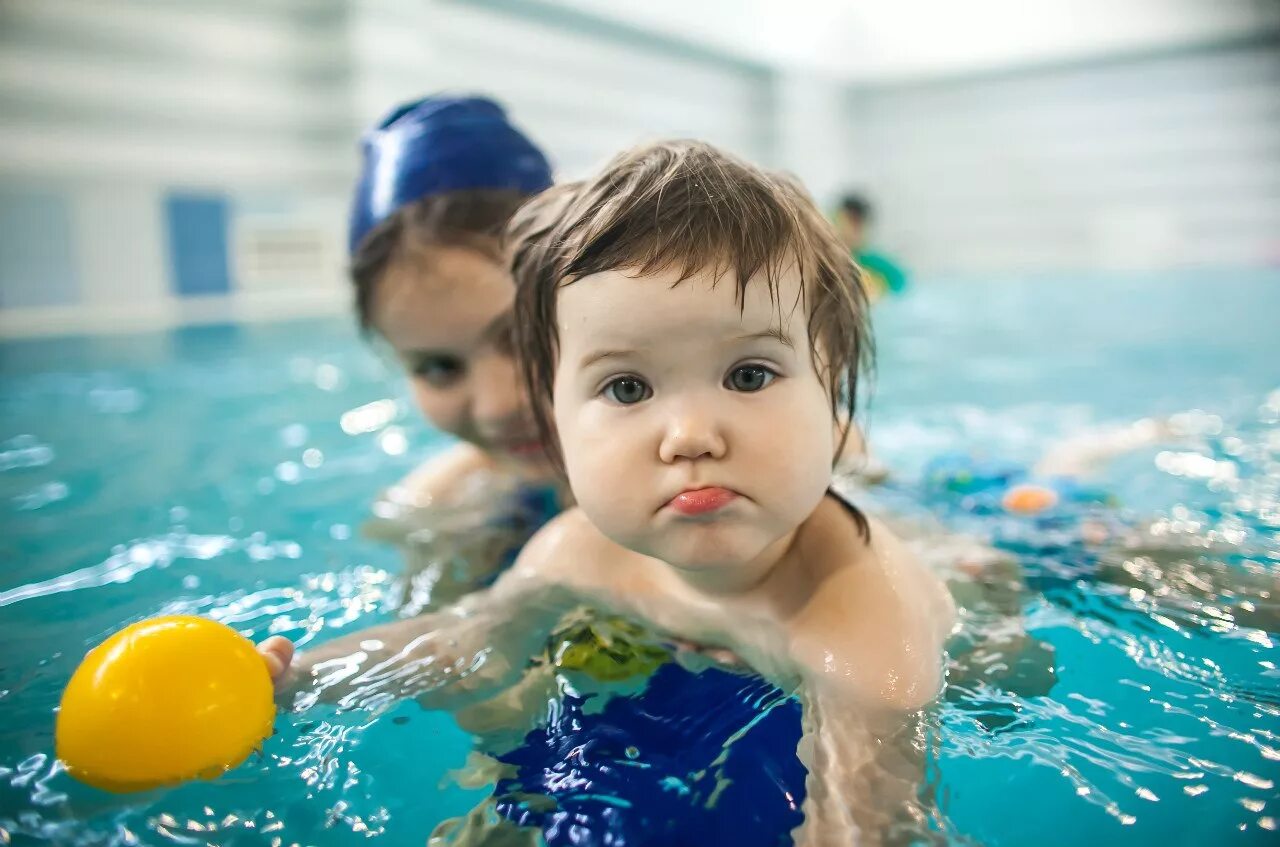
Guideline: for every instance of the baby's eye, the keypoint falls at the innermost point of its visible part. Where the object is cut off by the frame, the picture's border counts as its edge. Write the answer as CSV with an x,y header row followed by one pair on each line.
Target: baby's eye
x,y
439,371
628,390
749,378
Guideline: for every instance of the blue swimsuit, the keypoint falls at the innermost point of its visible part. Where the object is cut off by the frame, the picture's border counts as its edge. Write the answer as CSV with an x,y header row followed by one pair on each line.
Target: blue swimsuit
x,y
693,759
659,768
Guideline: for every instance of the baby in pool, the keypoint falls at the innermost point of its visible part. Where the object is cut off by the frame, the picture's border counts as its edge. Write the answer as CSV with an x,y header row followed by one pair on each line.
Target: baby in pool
x,y
692,334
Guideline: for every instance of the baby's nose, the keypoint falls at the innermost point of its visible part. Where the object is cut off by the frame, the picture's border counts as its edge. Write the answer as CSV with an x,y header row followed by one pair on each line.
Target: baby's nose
x,y
692,434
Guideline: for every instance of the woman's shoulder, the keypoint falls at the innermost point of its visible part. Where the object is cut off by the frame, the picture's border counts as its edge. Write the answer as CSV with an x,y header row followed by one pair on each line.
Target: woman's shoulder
x,y
449,477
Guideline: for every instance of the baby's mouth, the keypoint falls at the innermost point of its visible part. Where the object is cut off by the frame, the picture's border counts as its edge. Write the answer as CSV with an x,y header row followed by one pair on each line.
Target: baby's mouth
x,y
702,501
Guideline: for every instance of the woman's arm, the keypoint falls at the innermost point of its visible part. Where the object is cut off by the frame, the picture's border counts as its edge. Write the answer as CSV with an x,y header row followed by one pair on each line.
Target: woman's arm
x,y
457,520
855,459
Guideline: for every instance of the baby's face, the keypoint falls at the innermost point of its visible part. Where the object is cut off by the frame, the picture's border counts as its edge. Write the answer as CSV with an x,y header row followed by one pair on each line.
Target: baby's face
x,y
693,430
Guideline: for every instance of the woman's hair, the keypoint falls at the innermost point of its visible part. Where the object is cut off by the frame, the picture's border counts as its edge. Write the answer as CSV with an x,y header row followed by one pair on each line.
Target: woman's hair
x,y
689,207
473,219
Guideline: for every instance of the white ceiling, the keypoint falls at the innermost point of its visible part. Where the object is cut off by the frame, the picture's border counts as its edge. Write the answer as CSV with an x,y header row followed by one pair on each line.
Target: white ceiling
x,y
880,40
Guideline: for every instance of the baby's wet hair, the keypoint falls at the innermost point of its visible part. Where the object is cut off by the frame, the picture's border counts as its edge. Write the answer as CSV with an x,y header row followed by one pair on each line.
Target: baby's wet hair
x,y
689,208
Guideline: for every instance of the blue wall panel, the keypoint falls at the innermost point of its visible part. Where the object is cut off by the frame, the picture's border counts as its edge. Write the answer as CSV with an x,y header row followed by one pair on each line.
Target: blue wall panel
x,y
199,262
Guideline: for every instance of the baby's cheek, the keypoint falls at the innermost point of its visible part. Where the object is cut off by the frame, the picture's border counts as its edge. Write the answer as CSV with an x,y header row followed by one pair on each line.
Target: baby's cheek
x,y
597,472
608,510
801,466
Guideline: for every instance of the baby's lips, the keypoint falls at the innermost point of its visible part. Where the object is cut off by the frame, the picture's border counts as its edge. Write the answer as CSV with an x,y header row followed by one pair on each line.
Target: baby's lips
x,y
701,501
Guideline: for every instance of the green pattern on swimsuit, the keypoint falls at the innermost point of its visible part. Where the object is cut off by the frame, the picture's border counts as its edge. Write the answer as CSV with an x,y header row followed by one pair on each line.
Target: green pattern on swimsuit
x,y
607,649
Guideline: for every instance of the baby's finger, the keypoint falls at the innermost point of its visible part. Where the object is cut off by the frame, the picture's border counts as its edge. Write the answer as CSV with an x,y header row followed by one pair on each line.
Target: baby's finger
x,y
277,651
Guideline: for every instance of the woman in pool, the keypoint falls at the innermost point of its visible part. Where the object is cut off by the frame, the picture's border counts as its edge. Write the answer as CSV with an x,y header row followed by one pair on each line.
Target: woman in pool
x,y
441,178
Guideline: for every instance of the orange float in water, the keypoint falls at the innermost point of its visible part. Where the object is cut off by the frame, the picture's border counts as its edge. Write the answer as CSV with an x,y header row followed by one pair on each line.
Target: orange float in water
x,y
163,701
1029,499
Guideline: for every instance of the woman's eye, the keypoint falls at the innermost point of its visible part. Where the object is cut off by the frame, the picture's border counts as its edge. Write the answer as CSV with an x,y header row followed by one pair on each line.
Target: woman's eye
x,y
628,390
439,371
749,378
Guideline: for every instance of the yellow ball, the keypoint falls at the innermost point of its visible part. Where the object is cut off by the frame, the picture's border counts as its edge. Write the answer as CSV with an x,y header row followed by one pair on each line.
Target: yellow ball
x,y
163,701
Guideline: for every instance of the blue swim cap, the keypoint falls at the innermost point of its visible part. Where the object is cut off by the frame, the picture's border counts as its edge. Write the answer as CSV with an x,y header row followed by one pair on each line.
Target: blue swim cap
x,y
440,144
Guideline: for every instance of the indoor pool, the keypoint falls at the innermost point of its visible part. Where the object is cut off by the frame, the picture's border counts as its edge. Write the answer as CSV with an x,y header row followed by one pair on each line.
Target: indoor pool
x,y
226,471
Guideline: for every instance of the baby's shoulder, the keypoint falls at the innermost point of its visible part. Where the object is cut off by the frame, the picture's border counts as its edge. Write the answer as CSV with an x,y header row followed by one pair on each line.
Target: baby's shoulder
x,y
846,544
570,550
876,620
838,538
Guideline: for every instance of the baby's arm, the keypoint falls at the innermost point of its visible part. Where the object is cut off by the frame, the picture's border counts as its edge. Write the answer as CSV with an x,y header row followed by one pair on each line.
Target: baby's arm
x,y
837,755
449,657
861,777
863,771
869,650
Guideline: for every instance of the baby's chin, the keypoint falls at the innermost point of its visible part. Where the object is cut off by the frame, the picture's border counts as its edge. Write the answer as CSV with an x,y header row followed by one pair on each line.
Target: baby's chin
x,y
696,550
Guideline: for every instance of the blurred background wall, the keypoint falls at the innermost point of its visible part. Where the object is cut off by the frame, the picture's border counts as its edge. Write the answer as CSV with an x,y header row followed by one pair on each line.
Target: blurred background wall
x,y
166,162
1167,161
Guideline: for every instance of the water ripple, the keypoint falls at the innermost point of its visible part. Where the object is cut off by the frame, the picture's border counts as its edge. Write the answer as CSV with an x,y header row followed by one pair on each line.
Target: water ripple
x,y
158,552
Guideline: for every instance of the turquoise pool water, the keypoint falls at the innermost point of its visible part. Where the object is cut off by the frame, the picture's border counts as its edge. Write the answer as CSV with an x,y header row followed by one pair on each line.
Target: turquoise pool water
x,y
208,471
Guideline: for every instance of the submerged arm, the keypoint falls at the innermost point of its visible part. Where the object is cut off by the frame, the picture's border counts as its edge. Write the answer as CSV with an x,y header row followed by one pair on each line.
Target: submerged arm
x,y
449,657
868,647
837,757
863,774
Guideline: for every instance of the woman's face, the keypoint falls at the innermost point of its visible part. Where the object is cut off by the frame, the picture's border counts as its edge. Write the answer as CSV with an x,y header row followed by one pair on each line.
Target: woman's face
x,y
442,309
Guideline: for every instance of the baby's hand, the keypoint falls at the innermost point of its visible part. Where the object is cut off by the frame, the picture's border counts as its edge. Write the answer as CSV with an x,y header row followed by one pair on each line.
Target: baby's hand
x,y
697,657
277,652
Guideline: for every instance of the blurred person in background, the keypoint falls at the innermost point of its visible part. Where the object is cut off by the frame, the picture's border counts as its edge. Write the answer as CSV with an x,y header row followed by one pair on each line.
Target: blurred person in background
x,y
881,274
441,177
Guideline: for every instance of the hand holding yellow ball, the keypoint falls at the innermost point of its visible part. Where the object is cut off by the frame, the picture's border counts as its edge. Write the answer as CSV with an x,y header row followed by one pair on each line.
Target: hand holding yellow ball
x,y
168,700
